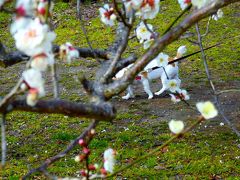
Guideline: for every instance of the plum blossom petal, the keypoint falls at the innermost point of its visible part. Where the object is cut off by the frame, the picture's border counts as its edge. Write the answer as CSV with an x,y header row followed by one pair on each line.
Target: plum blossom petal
x,y
34,39
41,61
172,85
207,109
162,60
107,15
109,160
143,33
149,9
33,79
201,3
175,126
175,99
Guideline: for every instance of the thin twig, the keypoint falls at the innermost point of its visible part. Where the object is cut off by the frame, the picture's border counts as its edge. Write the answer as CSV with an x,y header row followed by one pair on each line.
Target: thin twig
x,y
55,81
4,141
115,6
176,19
214,93
207,29
14,91
62,154
227,91
157,150
79,15
122,46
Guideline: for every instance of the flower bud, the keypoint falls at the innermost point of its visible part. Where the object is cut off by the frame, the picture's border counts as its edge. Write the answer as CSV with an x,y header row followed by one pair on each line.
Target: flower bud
x,y
91,167
103,172
32,97
82,143
83,172
86,151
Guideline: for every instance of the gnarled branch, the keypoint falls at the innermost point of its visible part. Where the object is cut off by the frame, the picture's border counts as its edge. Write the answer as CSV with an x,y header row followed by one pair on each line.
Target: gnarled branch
x,y
101,111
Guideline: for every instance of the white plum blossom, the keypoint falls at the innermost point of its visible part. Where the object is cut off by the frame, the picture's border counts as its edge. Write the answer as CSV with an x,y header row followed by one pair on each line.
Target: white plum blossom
x,y
175,126
33,79
218,15
77,158
34,39
207,109
32,97
184,3
107,15
109,159
200,3
182,95
41,61
175,99
19,23
162,60
149,9
68,52
142,32
172,85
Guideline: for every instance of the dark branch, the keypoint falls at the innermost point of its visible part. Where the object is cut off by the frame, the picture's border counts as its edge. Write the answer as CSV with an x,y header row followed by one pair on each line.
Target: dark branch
x,y
9,59
101,111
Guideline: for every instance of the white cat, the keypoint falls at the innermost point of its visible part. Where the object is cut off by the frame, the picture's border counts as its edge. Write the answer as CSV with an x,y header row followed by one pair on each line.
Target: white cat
x,y
155,70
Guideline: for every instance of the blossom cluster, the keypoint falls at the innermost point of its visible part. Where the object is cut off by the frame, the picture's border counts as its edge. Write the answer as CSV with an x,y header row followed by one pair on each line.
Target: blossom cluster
x,y
93,169
145,9
68,52
34,38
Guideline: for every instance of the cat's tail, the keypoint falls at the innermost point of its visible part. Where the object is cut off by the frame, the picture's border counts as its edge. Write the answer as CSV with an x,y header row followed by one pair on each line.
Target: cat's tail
x,y
181,51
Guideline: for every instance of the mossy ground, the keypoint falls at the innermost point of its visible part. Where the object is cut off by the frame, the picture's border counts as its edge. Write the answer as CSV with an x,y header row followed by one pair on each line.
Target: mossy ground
x,y
210,151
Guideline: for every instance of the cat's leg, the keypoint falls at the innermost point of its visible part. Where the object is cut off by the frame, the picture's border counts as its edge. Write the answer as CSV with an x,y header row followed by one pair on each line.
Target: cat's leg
x,y
164,88
129,94
146,88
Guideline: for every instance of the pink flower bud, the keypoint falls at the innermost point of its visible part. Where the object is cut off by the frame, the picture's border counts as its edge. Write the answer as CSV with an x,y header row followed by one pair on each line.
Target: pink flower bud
x,y
42,11
21,11
82,157
91,167
86,151
83,173
103,172
82,143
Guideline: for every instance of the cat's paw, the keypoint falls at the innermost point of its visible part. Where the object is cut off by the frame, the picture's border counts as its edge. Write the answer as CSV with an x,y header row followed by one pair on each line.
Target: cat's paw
x,y
150,97
157,93
126,97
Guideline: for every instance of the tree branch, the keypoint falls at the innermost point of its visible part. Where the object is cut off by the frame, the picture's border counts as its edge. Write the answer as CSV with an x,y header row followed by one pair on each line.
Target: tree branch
x,y
101,111
51,160
160,43
12,58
